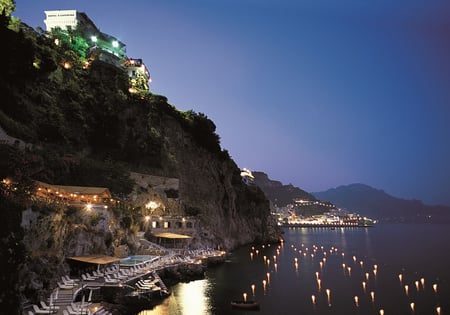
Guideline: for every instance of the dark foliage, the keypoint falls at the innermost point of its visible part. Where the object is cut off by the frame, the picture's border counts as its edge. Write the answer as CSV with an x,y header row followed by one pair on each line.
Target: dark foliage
x,y
12,250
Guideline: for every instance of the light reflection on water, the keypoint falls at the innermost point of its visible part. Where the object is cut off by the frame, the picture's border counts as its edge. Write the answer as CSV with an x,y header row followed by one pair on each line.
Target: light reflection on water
x,y
187,298
416,251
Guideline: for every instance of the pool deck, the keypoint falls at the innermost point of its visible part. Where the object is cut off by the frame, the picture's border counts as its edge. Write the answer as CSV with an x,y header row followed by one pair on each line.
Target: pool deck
x,y
64,298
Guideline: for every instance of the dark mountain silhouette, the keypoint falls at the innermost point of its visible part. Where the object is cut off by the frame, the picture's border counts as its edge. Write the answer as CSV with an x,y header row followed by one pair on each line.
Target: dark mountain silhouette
x,y
279,194
378,204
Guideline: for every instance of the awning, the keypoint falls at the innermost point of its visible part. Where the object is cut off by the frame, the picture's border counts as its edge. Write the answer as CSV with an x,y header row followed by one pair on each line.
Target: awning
x,y
171,235
102,192
96,259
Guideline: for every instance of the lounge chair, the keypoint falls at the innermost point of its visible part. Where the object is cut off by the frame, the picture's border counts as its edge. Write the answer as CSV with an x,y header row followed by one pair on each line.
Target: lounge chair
x,y
65,282
37,310
97,274
65,286
86,277
79,308
108,279
120,276
144,286
91,276
126,272
72,311
70,280
49,307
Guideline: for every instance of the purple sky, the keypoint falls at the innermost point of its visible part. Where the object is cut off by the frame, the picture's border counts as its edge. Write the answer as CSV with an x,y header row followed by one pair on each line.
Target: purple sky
x,y
314,93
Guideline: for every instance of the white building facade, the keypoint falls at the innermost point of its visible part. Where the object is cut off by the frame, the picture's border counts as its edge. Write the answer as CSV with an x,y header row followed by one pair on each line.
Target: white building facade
x,y
64,19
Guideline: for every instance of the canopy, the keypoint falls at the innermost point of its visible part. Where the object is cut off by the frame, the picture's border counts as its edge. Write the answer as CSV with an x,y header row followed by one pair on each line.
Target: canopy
x,y
171,235
102,192
95,259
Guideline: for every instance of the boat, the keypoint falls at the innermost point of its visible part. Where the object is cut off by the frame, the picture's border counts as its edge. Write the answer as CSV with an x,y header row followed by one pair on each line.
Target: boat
x,y
245,305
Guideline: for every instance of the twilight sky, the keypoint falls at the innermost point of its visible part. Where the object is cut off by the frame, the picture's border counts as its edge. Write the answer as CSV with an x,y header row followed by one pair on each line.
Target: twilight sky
x,y
315,93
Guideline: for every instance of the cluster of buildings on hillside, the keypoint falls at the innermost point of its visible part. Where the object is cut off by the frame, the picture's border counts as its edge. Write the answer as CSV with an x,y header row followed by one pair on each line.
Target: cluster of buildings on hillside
x,y
334,217
293,214
101,46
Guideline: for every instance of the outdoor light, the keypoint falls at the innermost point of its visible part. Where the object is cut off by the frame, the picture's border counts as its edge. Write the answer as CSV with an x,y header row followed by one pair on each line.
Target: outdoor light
x,y
115,44
94,39
151,205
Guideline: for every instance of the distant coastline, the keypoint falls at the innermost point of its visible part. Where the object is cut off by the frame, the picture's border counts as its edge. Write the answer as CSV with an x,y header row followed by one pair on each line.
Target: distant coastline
x,y
328,225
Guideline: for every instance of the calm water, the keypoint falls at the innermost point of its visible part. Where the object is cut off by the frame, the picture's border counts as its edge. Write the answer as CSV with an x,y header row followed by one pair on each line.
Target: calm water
x,y
421,253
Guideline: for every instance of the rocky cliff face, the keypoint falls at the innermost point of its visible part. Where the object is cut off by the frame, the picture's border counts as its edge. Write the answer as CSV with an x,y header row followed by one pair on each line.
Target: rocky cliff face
x,y
83,128
231,213
277,193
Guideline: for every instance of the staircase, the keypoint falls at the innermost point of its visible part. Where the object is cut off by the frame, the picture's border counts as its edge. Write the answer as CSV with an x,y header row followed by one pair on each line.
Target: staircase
x,y
161,283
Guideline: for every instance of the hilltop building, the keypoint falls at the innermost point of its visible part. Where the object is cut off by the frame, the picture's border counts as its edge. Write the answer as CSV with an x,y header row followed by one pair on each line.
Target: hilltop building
x,y
101,46
138,74
247,177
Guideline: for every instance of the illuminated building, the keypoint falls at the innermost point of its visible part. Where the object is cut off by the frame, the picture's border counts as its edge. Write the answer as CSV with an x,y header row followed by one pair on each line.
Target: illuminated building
x,y
247,176
101,46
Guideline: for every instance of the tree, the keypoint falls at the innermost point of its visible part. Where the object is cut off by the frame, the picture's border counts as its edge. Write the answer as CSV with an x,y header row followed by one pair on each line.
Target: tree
x,y
7,7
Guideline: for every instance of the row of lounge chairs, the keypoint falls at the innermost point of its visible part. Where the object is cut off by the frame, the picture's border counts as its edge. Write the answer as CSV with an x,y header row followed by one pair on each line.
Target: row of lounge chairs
x,y
98,274
147,285
46,309
67,283
74,309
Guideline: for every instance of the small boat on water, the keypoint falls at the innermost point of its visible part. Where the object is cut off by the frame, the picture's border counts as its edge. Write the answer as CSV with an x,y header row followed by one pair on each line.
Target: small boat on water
x,y
245,305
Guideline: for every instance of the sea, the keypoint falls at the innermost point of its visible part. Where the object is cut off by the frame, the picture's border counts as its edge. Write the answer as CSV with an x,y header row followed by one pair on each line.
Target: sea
x,y
385,269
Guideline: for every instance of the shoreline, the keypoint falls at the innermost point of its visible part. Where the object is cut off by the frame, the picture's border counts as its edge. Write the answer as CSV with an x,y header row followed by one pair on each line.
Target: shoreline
x,y
326,225
170,275
126,296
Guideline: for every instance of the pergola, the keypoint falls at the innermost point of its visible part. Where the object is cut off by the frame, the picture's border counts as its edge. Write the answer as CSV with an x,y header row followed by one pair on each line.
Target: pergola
x,y
73,193
165,237
95,259
80,263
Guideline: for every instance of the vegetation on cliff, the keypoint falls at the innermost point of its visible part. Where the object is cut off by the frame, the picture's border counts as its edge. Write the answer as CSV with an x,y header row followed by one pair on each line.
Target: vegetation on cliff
x,y
78,124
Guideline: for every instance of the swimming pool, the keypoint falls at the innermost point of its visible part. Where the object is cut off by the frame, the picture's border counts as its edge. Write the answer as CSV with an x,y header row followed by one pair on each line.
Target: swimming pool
x,y
137,259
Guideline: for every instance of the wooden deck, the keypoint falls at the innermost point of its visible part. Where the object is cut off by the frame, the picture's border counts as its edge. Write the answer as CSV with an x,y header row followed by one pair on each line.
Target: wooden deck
x,y
63,299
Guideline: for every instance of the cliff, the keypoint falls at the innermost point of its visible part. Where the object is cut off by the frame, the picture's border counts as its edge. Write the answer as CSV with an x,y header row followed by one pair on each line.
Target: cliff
x,y
77,124
278,193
